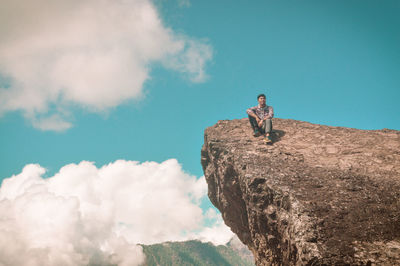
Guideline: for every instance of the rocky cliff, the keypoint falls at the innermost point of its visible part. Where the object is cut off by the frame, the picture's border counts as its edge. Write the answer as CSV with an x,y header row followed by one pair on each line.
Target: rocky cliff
x,y
319,195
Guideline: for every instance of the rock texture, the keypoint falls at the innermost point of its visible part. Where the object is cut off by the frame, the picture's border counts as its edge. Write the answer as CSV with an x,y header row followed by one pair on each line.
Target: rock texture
x,y
319,195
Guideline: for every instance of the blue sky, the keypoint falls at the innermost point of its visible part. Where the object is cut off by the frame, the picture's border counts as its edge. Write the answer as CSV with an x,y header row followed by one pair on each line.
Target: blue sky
x,y
327,62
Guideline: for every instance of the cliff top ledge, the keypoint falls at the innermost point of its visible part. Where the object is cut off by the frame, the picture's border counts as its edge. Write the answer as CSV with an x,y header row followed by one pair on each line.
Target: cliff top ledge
x,y
320,195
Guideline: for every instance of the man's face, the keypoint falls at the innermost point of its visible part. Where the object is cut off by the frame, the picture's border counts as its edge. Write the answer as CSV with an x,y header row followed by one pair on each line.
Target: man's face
x,y
261,101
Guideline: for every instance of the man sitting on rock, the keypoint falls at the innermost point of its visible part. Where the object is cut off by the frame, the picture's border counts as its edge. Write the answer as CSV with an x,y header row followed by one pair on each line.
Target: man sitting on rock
x,y
260,118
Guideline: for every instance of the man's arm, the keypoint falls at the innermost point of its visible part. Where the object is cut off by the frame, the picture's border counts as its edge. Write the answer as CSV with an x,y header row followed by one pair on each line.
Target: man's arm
x,y
251,112
270,113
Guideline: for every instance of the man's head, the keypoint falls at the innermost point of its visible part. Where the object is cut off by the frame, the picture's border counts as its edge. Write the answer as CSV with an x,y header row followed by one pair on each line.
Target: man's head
x,y
261,95
261,99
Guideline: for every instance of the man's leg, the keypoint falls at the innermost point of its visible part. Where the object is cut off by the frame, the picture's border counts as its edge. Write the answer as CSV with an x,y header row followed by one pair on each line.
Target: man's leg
x,y
267,128
254,126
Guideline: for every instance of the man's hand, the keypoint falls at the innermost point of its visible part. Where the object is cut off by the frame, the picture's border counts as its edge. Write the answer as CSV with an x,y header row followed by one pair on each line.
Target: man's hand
x,y
259,122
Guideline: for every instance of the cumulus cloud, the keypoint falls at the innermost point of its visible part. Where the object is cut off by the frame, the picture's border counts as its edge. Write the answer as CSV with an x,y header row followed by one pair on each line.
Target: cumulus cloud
x,y
217,233
85,215
184,3
95,54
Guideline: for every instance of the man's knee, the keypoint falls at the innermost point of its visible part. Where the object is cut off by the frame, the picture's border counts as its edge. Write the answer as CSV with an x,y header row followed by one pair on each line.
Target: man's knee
x,y
268,125
253,122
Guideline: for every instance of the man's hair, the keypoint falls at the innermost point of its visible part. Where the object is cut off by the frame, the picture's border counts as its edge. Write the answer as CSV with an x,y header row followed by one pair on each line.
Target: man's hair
x,y
261,95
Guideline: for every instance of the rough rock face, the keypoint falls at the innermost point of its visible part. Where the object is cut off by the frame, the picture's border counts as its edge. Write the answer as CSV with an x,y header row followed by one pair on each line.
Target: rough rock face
x,y
319,195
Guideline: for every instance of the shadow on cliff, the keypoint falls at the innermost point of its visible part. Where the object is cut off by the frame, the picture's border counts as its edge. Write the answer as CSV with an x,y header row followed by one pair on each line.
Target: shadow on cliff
x,y
277,135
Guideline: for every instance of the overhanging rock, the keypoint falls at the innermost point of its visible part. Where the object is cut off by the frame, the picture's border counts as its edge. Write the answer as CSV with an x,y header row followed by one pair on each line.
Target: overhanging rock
x,y
319,195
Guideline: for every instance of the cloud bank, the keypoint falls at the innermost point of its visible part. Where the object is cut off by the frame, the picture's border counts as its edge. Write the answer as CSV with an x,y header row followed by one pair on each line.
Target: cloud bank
x,y
94,54
85,215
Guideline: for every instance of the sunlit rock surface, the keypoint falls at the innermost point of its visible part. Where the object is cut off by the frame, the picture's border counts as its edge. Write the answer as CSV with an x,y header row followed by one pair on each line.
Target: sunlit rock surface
x,y
318,195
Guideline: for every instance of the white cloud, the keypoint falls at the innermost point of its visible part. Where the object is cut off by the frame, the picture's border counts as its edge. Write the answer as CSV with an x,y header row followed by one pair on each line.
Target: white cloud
x,y
218,233
85,215
192,61
54,122
95,54
184,3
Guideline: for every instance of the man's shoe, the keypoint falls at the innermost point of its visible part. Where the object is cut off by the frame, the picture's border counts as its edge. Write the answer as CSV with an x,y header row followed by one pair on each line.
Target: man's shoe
x,y
268,140
256,133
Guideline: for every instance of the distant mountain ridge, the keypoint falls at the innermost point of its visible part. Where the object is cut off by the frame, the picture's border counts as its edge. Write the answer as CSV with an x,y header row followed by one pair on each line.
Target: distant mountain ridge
x,y
194,252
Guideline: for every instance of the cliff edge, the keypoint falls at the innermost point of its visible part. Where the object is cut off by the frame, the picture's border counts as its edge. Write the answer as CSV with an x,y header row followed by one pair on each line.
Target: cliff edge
x,y
319,195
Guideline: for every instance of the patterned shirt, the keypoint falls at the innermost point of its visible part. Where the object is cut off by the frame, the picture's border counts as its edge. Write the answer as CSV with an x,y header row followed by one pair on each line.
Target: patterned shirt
x,y
261,112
